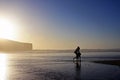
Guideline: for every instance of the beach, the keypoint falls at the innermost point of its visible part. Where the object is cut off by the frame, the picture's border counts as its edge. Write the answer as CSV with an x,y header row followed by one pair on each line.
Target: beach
x,y
59,66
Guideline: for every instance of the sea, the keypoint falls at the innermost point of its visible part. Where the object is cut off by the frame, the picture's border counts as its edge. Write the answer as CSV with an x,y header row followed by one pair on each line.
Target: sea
x,y
36,65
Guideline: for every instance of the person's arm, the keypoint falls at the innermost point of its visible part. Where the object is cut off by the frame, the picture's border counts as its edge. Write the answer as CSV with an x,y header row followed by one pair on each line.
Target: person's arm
x,y
75,51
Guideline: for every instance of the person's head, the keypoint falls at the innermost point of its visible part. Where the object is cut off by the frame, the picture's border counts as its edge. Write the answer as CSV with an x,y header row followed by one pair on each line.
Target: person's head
x,y
78,48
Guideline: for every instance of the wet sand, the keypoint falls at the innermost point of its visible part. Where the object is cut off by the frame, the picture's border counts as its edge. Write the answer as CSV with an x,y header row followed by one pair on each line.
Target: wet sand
x,y
51,66
65,71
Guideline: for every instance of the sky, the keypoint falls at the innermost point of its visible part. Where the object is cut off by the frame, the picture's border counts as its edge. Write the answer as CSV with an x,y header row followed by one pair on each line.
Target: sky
x,y
64,24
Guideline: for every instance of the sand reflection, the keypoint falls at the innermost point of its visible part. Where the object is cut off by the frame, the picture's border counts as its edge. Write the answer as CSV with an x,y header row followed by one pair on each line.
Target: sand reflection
x,y
77,70
3,66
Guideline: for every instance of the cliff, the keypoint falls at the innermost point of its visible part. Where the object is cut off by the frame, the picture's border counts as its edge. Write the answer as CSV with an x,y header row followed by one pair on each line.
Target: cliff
x,y
9,45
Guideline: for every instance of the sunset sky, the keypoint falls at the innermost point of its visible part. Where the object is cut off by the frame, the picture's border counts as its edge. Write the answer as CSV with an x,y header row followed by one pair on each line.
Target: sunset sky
x,y
62,24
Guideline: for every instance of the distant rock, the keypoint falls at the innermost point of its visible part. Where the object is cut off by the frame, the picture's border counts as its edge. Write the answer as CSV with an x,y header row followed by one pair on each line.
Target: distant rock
x,y
9,45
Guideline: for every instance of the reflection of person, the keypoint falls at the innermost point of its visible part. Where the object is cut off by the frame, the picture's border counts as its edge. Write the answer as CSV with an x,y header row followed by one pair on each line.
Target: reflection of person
x,y
78,71
77,52
78,65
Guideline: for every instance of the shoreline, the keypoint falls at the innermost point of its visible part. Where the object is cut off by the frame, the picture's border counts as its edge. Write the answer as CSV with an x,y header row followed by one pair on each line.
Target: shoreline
x,y
60,51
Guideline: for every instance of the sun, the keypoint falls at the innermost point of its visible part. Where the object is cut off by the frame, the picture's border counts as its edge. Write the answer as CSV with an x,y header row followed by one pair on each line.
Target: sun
x,y
7,29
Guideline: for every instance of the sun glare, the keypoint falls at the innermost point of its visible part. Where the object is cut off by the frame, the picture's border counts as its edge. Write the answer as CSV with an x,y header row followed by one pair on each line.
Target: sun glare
x,y
7,29
3,66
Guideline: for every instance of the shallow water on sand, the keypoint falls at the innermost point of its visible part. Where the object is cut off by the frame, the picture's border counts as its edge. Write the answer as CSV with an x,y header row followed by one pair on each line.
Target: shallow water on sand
x,y
57,66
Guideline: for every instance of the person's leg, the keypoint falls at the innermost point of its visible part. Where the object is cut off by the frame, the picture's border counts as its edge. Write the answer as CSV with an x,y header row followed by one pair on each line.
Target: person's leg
x,y
74,58
80,57
77,56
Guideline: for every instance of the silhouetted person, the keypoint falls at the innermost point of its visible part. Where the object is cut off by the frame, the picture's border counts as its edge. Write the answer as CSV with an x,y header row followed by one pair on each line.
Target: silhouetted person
x,y
77,52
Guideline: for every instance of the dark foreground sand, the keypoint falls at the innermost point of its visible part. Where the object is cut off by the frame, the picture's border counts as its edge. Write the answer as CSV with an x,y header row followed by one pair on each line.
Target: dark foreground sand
x,y
109,62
